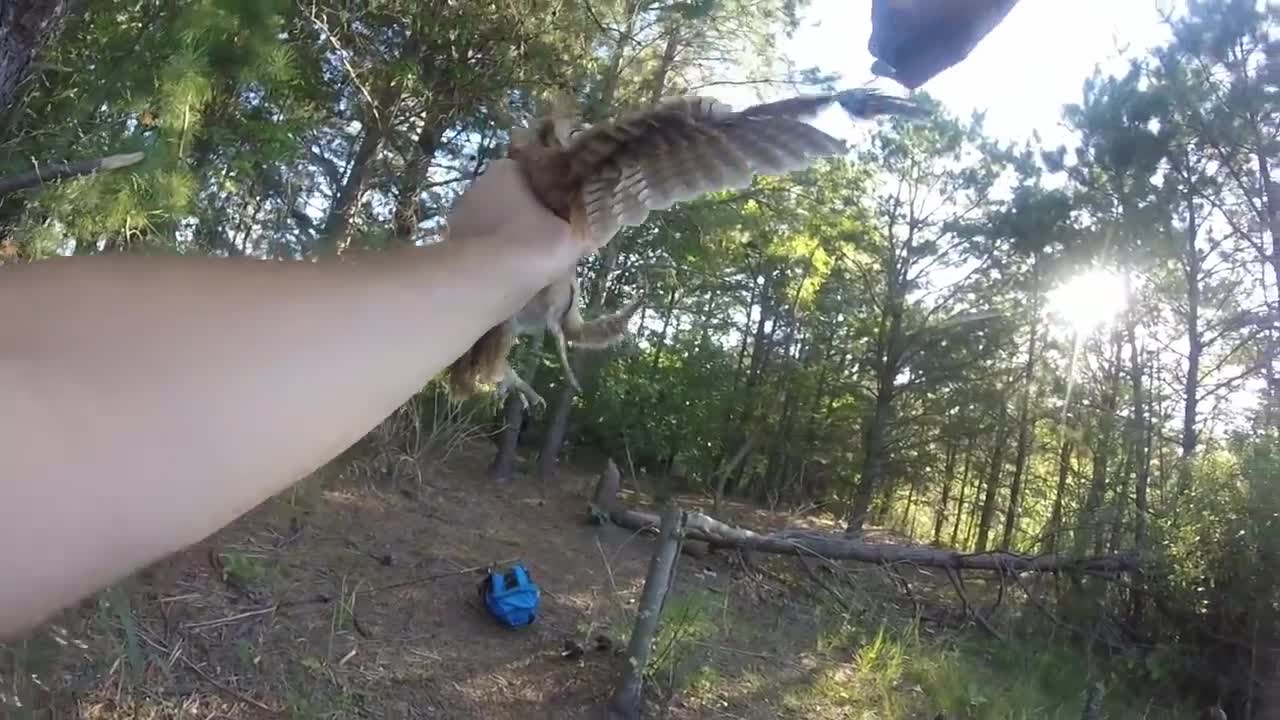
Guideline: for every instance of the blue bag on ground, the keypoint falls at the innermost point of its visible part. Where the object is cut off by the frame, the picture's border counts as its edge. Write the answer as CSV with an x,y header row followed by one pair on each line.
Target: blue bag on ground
x,y
511,597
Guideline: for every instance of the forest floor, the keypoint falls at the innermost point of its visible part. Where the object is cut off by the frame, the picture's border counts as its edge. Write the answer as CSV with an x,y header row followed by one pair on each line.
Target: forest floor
x,y
348,598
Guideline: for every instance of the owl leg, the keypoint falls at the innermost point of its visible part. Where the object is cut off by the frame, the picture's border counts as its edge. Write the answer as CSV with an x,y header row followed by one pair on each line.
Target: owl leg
x,y
511,381
563,347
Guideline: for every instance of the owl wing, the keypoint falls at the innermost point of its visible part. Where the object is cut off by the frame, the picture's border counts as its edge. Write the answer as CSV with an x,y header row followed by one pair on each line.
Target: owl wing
x,y
688,146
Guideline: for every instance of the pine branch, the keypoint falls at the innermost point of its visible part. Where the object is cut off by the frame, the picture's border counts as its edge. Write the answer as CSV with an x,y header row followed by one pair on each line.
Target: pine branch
x,y
60,171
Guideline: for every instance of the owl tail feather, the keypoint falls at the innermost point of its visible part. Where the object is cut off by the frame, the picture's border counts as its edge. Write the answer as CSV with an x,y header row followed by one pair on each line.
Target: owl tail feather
x,y
483,362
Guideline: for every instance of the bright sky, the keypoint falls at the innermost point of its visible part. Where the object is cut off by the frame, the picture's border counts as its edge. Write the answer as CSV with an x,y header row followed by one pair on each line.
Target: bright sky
x,y
1022,74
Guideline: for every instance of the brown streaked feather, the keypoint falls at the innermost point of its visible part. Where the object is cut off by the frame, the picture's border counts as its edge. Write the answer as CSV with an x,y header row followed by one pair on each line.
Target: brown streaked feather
x,y
684,147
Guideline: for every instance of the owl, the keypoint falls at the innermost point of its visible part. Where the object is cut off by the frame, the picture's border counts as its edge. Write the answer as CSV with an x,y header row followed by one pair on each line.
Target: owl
x,y
554,308
601,178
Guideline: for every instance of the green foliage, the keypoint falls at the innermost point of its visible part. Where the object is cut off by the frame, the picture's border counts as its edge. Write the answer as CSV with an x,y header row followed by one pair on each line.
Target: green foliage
x,y
898,672
853,337
239,569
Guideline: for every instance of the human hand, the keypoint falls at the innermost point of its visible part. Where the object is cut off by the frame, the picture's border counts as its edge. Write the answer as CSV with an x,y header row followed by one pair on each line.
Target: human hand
x,y
501,205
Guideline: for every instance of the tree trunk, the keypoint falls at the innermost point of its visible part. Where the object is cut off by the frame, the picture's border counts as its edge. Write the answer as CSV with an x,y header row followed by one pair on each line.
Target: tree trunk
x,y
1102,449
1026,428
777,453
1120,505
869,478
374,127
1271,195
1059,492
1140,454
1195,348
549,456
964,484
503,467
993,480
658,88
667,314
906,513
405,224
26,28
948,476
603,101
762,346
876,434
777,467
722,476
627,701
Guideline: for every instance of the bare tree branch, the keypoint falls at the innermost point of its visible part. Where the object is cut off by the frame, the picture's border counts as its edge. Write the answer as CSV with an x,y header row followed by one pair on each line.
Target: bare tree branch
x,y
60,171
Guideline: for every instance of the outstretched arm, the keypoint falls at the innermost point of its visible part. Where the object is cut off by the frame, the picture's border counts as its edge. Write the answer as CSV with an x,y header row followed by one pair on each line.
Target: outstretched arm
x,y
152,400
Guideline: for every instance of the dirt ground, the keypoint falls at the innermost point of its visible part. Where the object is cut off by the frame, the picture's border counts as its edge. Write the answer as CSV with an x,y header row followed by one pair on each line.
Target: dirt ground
x,y
349,598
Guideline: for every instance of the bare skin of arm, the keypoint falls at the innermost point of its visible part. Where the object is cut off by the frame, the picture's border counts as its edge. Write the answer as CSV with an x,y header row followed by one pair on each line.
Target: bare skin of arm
x,y
150,401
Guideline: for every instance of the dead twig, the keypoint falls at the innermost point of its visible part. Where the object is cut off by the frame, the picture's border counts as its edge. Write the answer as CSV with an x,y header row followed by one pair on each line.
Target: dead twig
x,y
735,651
957,582
351,72
229,620
232,692
813,575
905,586
438,576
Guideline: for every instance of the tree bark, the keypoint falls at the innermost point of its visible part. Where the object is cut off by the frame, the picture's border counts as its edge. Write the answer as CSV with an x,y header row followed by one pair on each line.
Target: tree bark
x,y
964,484
1059,493
667,312
1271,208
1026,427
1191,385
948,476
729,467
1141,456
993,480
658,88
876,434
375,125
503,467
405,224
603,101
761,347
627,701
870,476
26,28
1102,449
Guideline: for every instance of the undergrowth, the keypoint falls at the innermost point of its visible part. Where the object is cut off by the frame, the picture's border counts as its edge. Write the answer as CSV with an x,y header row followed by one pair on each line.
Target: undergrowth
x,y
876,665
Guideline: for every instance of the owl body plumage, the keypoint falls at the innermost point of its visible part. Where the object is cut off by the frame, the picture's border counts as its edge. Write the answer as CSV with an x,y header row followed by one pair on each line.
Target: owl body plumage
x,y
555,309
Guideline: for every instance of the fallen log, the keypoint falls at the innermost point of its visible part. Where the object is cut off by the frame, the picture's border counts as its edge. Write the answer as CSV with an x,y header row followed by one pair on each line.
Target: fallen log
x,y
834,547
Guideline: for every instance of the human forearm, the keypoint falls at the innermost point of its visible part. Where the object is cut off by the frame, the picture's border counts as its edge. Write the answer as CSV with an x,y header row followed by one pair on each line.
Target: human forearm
x,y
159,398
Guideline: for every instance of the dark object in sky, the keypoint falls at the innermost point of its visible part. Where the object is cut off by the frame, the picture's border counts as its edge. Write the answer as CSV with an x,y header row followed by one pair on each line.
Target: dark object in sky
x,y
914,40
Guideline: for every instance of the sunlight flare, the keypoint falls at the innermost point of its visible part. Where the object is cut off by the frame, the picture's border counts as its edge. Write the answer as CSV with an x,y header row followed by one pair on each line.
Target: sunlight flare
x,y
1087,300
